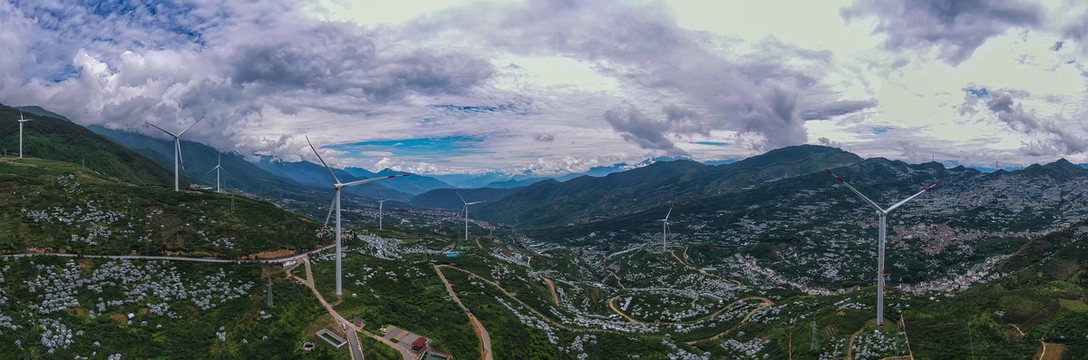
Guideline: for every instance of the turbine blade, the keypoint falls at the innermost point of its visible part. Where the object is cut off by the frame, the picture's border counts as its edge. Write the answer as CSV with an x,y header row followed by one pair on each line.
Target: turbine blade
x,y
459,196
669,213
181,159
911,197
475,202
191,126
160,129
327,217
364,181
855,191
322,160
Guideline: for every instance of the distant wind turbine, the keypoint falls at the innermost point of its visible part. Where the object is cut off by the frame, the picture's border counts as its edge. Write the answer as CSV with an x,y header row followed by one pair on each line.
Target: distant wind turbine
x,y
177,148
883,213
338,186
218,166
665,228
380,202
21,121
466,210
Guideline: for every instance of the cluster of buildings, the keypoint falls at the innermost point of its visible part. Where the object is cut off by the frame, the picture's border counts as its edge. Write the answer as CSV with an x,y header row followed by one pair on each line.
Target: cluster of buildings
x,y
770,274
977,274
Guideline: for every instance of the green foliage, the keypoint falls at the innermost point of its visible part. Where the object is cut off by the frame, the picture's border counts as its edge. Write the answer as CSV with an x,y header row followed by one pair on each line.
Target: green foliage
x,y
191,335
59,206
412,301
56,139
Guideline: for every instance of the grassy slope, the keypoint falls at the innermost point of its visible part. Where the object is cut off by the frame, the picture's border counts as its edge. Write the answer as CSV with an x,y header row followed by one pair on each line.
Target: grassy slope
x,y
56,139
45,203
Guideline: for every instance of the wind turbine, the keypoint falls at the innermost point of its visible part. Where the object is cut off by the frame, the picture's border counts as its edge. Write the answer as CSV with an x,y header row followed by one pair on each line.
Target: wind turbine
x,y
466,210
218,166
665,228
380,202
177,148
336,204
21,121
883,213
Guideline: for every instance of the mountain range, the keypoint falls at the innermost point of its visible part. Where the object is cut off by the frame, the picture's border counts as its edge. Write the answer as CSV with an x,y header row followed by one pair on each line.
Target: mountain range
x,y
584,199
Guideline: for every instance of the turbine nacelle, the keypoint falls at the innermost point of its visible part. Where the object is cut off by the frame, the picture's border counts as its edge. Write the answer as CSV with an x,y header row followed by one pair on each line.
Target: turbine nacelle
x,y
177,147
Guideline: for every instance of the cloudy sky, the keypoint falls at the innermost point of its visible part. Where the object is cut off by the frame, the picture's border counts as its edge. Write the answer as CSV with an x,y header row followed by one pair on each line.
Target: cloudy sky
x,y
557,86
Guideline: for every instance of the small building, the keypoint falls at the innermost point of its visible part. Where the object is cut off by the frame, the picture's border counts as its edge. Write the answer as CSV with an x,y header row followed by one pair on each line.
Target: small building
x,y
420,343
358,322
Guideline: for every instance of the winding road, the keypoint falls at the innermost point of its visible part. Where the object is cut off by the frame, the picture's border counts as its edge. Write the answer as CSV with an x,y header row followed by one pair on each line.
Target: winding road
x,y
477,326
673,252
309,282
178,258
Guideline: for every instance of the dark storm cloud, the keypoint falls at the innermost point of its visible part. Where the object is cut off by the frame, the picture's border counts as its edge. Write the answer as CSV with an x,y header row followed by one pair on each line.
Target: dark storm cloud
x,y
544,137
955,27
1052,136
340,58
703,87
637,128
121,63
838,108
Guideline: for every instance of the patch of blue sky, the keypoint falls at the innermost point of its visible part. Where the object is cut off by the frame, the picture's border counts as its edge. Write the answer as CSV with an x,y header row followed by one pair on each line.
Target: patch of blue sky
x,y
479,109
418,148
881,130
979,93
65,73
712,143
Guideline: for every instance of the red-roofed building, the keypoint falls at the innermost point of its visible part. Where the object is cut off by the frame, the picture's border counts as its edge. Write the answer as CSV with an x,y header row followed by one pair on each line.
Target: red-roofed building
x,y
419,344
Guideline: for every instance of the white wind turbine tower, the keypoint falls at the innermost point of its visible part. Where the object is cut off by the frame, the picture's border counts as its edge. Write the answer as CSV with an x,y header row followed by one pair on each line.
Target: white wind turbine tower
x,y
665,228
21,121
177,148
380,202
218,166
883,213
336,204
466,210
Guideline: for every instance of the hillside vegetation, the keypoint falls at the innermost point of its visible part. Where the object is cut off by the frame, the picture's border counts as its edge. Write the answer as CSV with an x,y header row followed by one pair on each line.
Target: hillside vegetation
x,y
57,139
585,199
47,204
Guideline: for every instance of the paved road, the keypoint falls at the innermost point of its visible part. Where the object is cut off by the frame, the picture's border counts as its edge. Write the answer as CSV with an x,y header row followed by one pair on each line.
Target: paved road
x,y
353,344
309,282
512,297
179,258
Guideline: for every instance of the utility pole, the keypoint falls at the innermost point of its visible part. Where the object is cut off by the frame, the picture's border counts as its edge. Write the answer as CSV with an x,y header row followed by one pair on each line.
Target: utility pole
x,y
270,291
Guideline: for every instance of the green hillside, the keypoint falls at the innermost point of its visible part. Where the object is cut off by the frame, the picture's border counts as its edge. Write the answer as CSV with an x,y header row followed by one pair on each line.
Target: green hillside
x,y
586,199
57,139
48,204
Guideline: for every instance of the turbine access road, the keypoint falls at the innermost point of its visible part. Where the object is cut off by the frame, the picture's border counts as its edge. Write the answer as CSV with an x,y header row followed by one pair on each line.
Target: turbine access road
x,y
481,332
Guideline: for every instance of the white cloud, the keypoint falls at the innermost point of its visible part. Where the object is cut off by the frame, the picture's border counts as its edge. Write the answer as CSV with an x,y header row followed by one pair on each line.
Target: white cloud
x,y
534,79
